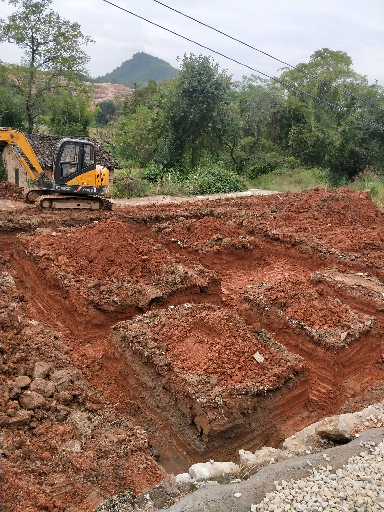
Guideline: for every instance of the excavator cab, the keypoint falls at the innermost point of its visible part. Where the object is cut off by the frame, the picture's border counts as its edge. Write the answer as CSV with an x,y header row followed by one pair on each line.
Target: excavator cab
x,y
75,169
75,173
74,158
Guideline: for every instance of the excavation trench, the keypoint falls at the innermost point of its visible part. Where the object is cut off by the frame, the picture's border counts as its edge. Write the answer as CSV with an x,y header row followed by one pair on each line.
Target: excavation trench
x,y
207,328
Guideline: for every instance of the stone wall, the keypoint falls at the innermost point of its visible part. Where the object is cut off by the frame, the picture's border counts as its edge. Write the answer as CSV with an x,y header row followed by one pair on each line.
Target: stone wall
x,y
16,172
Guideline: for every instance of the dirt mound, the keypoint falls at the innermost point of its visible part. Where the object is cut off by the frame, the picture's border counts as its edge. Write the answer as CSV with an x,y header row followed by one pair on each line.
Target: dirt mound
x,y
340,222
112,268
10,190
56,425
142,340
200,340
209,360
304,304
206,234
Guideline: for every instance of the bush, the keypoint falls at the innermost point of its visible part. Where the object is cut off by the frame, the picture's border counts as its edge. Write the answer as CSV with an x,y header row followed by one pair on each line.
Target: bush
x,y
214,180
154,173
268,163
126,185
371,180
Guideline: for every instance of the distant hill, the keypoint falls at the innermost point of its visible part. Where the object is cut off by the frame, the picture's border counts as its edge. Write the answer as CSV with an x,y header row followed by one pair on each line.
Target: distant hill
x,y
139,69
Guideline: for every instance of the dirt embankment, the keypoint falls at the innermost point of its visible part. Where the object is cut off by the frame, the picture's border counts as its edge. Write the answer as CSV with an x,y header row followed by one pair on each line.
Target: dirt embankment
x,y
139,341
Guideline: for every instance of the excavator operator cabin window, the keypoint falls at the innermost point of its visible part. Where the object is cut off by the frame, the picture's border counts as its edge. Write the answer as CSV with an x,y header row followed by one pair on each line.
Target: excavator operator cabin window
x,y
89,155
69,160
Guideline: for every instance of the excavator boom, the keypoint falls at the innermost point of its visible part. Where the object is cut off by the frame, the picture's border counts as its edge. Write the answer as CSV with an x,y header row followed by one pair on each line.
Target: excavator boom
x,y
74,178
19,141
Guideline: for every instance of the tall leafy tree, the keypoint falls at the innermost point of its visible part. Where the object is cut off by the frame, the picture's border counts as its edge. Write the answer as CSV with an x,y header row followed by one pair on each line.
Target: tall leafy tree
x,y
70,114
322,135
11,108
53,53
106,112
195,112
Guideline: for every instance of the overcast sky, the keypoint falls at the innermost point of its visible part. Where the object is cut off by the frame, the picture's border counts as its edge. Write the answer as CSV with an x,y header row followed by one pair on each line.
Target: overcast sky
x,y
291,30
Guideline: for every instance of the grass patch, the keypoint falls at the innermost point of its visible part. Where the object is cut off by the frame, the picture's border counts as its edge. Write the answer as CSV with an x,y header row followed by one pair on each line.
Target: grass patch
x,y
155,180
291,180
373,182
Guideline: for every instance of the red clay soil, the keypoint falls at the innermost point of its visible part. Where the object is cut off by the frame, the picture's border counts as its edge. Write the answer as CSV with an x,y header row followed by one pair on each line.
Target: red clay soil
x,y
10,190
139,341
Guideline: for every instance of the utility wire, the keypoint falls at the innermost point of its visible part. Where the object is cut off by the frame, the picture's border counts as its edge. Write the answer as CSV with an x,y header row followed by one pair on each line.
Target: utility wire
x,y
271,56
245,65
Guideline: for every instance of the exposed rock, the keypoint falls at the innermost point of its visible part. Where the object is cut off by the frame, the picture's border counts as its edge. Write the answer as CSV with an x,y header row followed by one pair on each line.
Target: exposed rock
x,y
300,442
31,400
62,413
209,470
44,387
65,397
72,446
251,462
83,421
41,370
22,381
343,427
65,376
337,428
183,478
20,418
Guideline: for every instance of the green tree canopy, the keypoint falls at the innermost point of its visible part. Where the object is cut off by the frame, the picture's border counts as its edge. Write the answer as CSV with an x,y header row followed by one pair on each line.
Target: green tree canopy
x,y
70,114
195,111
325,136
53,53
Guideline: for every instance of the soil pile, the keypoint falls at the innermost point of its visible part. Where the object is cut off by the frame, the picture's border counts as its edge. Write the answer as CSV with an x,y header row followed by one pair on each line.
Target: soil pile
x,y
304,304
59,437
111,268
11,191
142,340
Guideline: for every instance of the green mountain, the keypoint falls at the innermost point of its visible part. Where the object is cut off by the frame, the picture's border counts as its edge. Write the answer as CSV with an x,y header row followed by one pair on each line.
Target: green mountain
x,y
138,70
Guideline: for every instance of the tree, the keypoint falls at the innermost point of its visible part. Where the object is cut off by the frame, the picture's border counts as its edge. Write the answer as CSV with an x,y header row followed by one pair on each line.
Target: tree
x,y
11,108
322,135
195,111
52,53
106,113
70,114
136,137
254,125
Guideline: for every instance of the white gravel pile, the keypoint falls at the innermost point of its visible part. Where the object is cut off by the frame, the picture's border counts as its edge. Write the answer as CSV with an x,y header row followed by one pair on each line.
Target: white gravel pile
x,y
358,487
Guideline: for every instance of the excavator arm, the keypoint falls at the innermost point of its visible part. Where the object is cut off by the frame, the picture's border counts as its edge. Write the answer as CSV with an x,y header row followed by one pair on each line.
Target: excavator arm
x,y
19,141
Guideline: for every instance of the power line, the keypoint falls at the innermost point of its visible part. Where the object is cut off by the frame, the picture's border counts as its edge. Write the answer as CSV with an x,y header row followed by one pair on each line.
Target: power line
x,y
245,65
271,56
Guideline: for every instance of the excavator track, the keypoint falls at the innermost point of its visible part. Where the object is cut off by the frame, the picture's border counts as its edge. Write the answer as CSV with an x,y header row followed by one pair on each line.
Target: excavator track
x,y
33,195
55,202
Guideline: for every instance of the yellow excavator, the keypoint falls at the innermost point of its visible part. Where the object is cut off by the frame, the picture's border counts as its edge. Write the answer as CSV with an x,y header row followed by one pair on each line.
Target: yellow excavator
x,y
75,180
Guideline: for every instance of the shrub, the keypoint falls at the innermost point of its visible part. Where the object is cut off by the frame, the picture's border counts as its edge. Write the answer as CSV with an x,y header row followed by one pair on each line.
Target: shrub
x,y
268,163
154,173
214,180
126,185
371,180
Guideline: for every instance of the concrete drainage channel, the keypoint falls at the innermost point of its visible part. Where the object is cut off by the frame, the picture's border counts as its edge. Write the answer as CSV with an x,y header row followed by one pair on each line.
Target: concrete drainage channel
x,y
334,464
